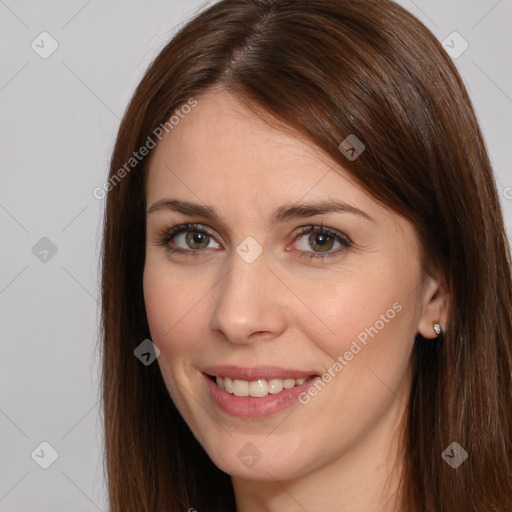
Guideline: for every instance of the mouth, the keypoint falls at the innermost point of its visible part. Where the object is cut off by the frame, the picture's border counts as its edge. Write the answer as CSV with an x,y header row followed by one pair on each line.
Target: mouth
x,y
258,388
256,392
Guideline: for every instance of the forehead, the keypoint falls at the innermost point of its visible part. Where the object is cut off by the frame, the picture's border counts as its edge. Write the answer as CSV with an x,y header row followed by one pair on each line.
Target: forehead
x,y
220,125
221,144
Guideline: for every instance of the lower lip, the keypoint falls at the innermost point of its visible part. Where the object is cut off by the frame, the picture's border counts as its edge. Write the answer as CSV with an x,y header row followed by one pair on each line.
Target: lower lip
x,y
251,407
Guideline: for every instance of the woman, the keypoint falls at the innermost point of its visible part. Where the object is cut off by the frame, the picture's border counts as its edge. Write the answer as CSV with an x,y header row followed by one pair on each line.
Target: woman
x,y
303,220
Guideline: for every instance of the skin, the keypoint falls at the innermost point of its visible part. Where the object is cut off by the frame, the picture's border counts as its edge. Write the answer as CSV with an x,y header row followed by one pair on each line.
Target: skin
x,y
339,452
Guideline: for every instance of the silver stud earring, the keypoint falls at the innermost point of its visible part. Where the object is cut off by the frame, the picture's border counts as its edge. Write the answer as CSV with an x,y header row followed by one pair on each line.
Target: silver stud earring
x,y
437,328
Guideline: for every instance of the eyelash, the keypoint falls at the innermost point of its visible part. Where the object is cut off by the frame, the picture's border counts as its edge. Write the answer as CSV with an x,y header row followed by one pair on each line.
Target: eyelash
x,y
166,236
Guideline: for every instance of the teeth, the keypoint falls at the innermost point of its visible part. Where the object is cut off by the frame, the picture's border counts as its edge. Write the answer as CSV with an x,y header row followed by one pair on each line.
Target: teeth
x,y
240,388
257,388
289,383
275,386
228,385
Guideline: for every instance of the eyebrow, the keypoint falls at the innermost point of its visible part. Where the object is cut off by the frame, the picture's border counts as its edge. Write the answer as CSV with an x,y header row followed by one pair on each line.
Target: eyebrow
x,y
280,214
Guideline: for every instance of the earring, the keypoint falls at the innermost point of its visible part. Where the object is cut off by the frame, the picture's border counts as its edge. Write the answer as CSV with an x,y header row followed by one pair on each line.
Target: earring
x,y
437,328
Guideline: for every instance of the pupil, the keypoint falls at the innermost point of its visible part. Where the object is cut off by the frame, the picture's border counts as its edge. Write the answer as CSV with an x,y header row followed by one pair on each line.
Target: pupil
x,y
197,240
321,242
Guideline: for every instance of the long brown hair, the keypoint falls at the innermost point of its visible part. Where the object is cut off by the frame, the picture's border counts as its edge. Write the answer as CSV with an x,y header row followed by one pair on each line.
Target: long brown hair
x,y
327,69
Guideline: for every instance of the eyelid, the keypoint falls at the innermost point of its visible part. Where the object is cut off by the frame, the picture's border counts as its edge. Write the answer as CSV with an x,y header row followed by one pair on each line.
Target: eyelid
x,y
165,235
343,239
320,228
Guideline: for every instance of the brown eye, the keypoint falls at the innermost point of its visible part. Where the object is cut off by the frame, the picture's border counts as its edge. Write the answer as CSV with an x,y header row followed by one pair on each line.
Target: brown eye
x,y
188,239
320,242
197,240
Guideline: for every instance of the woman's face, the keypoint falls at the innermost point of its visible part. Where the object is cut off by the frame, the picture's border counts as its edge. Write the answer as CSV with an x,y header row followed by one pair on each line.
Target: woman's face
x,y
283,269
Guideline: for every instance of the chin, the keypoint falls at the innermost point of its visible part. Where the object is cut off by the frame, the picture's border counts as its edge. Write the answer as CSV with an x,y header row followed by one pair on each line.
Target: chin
x,y
263,460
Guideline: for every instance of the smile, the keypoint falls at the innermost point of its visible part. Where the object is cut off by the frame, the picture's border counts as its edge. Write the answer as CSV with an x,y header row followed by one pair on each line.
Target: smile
x,y
256,392
257,388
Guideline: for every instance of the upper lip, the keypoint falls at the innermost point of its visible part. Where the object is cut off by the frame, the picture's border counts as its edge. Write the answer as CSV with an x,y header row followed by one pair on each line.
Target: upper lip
x,y
251,373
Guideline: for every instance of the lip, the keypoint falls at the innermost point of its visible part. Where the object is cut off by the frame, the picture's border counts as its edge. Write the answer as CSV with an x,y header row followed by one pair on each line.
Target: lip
x,y
257,372
251,407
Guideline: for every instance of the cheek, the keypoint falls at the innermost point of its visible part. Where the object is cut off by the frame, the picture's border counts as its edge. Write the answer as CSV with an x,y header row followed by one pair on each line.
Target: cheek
x,y
356,306
173,309
367,347
169,300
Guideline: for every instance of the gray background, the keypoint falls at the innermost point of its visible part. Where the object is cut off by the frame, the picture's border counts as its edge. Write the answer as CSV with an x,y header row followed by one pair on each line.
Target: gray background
x,y
59,118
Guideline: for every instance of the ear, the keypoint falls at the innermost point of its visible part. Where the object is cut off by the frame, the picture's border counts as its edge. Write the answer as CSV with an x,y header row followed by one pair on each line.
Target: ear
x,y
435,305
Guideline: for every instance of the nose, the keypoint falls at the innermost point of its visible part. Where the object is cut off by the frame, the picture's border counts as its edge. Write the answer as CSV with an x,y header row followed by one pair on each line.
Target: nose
x,y
249,303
